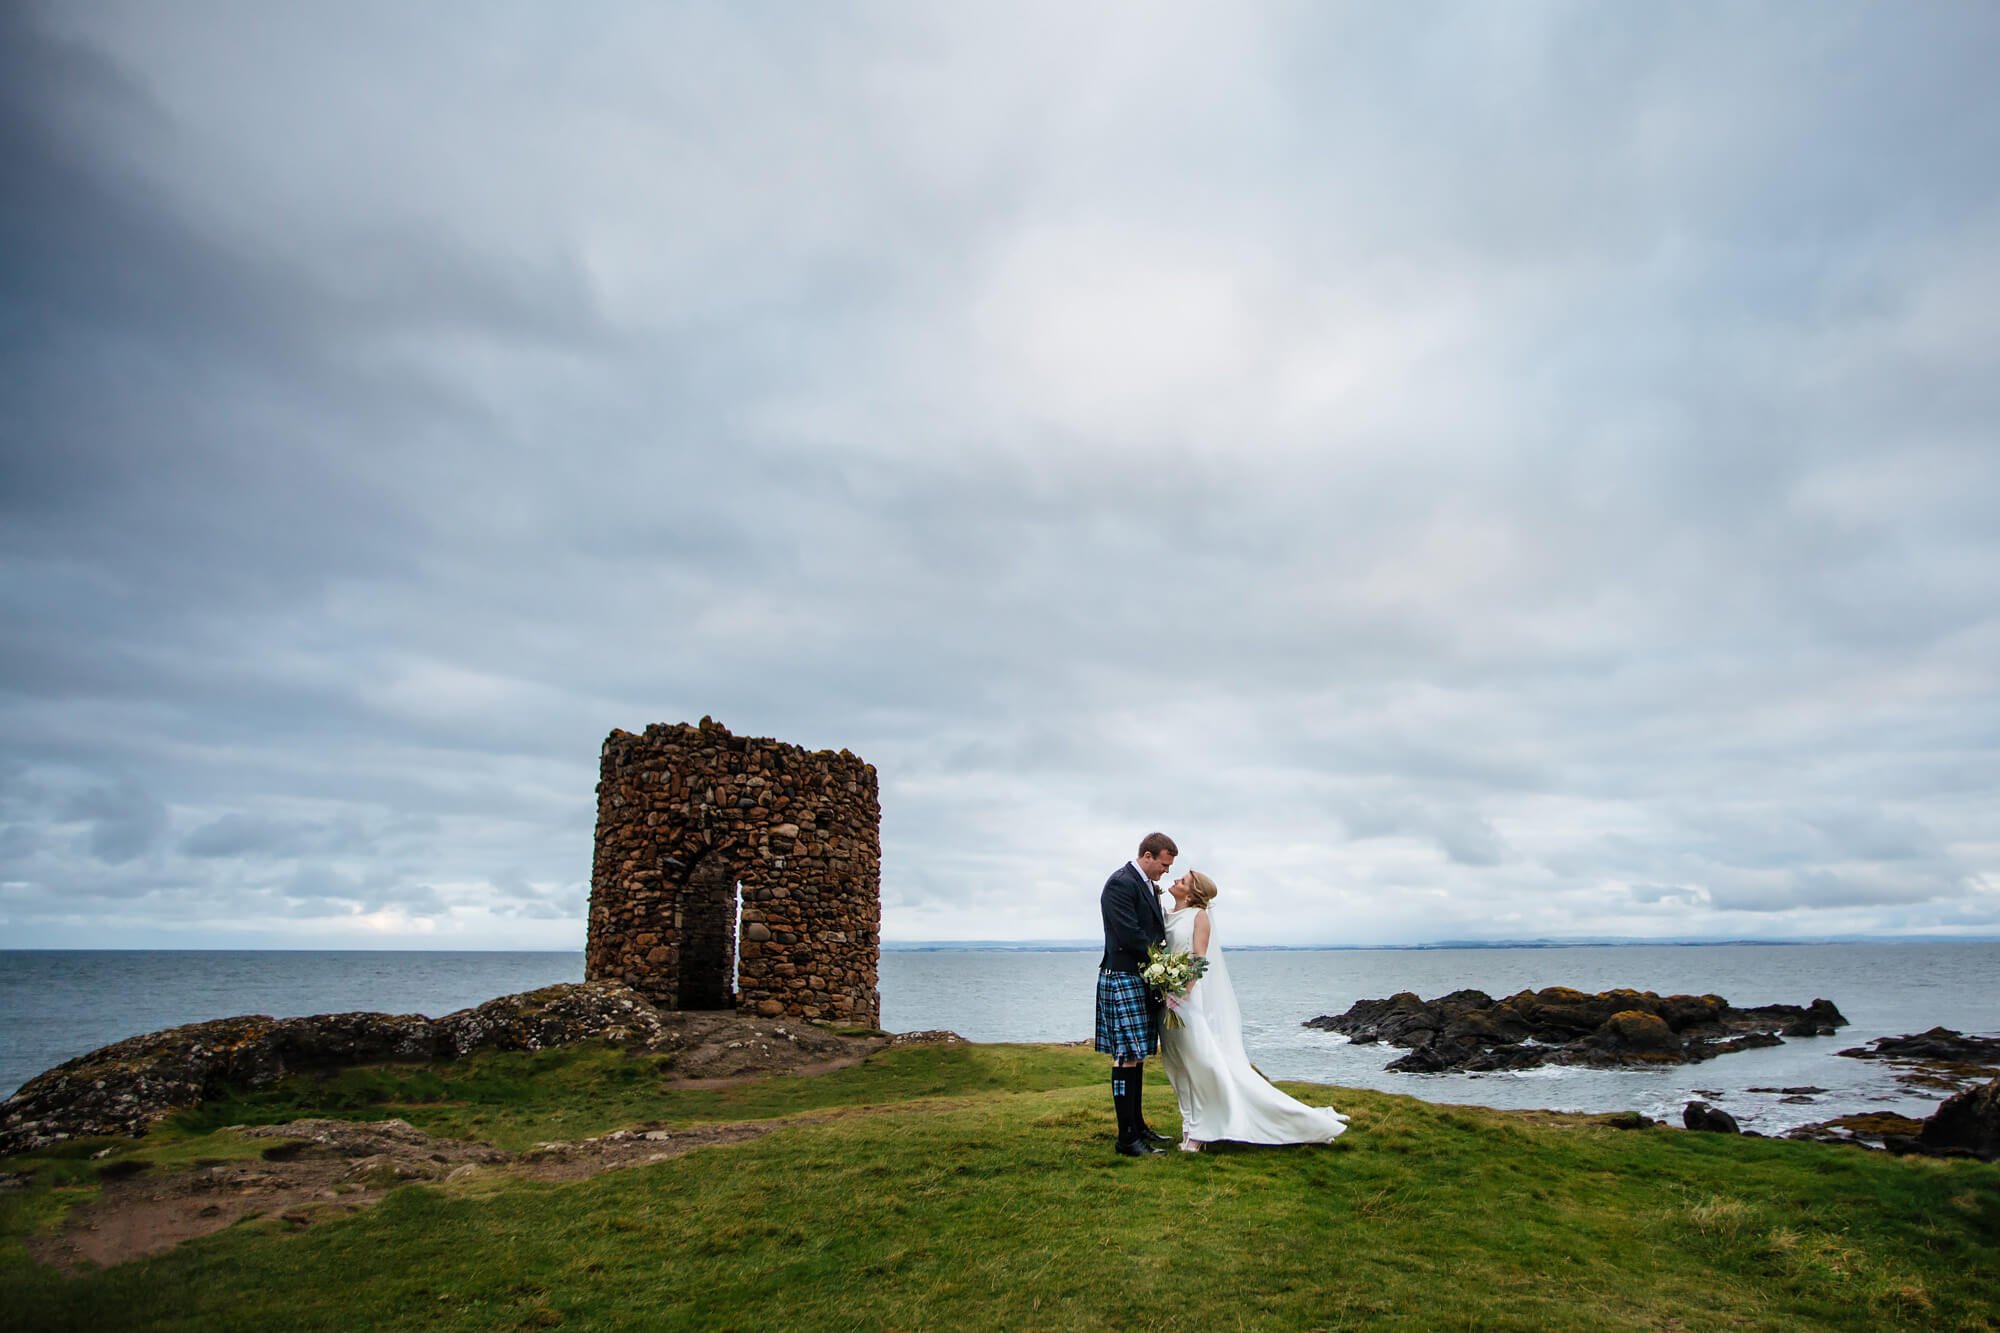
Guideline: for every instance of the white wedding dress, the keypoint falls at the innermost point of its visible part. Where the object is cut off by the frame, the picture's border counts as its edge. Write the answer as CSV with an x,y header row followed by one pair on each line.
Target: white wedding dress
x,y
1221,1096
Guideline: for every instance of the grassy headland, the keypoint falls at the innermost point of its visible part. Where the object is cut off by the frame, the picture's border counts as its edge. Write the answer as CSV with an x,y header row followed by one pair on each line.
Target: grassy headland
x,y
974,1186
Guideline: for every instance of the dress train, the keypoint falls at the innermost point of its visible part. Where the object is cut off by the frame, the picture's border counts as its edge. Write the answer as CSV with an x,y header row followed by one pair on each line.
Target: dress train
x,y
1221,1096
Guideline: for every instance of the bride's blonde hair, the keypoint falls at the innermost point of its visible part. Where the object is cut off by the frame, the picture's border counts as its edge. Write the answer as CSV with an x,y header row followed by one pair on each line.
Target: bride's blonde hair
x,y
1201,889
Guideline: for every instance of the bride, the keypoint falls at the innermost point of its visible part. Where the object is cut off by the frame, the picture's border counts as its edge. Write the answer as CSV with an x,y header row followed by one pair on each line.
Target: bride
x,y
1221,1095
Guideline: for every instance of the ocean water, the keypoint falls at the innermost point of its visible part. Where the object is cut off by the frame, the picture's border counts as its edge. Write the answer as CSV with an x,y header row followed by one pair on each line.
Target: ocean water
x,y
59,1004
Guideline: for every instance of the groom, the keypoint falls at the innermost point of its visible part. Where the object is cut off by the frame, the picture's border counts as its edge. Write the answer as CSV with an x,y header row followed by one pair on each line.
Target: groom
x,y
1128,1016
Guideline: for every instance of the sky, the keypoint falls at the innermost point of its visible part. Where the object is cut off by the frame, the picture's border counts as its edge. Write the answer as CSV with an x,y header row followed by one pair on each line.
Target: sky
x,y
1465,471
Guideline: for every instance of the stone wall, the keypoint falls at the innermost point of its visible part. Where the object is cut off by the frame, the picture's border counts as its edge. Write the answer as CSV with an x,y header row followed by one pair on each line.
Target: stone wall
x,y
686,815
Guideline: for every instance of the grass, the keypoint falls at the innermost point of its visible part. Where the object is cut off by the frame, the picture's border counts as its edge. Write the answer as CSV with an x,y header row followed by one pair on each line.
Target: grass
x,y
515,1100
974,1186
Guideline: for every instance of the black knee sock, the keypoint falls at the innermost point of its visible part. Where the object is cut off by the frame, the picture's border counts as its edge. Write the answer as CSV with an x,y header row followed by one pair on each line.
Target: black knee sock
x,y
1122,1084
1137,1094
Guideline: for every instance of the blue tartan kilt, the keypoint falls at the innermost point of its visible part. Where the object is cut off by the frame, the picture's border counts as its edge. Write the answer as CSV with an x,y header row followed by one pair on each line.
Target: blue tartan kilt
x,y
1128,1026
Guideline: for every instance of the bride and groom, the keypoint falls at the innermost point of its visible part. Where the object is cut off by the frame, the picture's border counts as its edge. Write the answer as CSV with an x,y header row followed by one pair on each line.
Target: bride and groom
x,y
1221,1095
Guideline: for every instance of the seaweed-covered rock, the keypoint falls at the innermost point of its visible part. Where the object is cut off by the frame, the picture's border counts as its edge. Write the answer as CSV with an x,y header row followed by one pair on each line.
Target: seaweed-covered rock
x,y
1637,1034
1468,1030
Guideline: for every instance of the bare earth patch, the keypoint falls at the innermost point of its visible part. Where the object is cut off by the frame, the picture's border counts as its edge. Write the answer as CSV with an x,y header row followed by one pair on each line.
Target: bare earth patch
x,y
315,1170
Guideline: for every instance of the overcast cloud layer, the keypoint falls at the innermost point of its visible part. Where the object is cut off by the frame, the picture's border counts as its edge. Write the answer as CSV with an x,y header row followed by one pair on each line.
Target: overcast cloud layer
x,y
1464,470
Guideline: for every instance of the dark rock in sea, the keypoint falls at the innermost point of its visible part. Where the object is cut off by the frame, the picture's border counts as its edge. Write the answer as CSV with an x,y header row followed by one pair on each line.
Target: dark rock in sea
x,y
1470,1031
1938,1059
1749,1041
1713,1120
1968,1123
1936,1044
1403,1019
1820,1020
124,1087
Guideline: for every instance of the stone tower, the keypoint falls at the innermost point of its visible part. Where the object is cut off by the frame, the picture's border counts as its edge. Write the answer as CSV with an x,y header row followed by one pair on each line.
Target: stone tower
x,y
738,872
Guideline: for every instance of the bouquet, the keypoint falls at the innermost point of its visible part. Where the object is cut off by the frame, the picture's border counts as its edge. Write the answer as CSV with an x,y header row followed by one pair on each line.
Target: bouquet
x,y
1172,974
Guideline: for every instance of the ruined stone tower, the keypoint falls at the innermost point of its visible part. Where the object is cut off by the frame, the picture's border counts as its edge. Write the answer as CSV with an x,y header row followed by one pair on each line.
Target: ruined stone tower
x,y
733,871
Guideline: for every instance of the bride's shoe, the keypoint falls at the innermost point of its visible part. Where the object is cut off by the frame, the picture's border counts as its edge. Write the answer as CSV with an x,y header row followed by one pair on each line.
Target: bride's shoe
x,y
1189,1145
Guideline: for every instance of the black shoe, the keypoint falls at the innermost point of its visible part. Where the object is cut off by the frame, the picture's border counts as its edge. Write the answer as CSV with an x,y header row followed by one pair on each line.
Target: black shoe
x,y
1136,1148
1151,1135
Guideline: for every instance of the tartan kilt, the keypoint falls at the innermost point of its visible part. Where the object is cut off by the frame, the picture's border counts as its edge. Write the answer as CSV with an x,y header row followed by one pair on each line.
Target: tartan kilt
x,y
1128,1025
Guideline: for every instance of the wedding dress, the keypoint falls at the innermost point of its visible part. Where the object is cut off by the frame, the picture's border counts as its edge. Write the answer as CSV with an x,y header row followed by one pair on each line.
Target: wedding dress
x,y
1221,1096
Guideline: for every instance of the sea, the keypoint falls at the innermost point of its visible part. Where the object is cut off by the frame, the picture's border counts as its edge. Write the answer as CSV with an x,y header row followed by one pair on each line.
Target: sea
x,y
57,1004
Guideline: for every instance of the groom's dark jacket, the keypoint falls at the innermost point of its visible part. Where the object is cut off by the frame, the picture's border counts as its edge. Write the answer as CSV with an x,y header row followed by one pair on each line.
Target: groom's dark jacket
x,y
1132,920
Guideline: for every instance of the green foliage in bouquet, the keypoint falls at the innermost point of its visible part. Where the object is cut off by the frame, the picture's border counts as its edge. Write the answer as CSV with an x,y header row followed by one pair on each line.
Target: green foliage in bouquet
x,y
1172,974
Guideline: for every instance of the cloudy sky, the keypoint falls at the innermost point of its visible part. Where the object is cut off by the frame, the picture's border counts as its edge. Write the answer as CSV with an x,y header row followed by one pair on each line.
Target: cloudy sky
x,y
1464,470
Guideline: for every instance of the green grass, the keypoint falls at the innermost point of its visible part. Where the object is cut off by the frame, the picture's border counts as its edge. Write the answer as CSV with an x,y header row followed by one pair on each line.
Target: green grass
x,y
516,1100
978,1189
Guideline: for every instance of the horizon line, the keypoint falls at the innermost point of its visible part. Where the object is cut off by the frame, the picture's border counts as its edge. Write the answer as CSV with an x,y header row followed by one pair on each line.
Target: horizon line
x,y
1084,945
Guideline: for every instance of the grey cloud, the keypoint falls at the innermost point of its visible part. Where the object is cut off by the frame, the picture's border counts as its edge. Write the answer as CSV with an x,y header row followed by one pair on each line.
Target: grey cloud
x,y
1862,833
241,835
1666,893
1823,890
123,822
1555,439
518,898
313,886
1464,837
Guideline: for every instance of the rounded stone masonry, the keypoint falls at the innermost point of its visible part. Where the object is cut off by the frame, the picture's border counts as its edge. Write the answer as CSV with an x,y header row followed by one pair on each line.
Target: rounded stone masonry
x,y
737,872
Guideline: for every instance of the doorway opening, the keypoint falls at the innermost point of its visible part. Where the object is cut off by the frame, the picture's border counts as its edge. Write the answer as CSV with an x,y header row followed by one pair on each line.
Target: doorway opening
x,y
711,909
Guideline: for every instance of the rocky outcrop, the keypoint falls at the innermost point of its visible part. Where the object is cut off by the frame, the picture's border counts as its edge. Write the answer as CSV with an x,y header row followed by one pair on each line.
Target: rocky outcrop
x,y
123,1088
1938,1059
1967,1123
1935,1044
1471,1031
1868,1129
